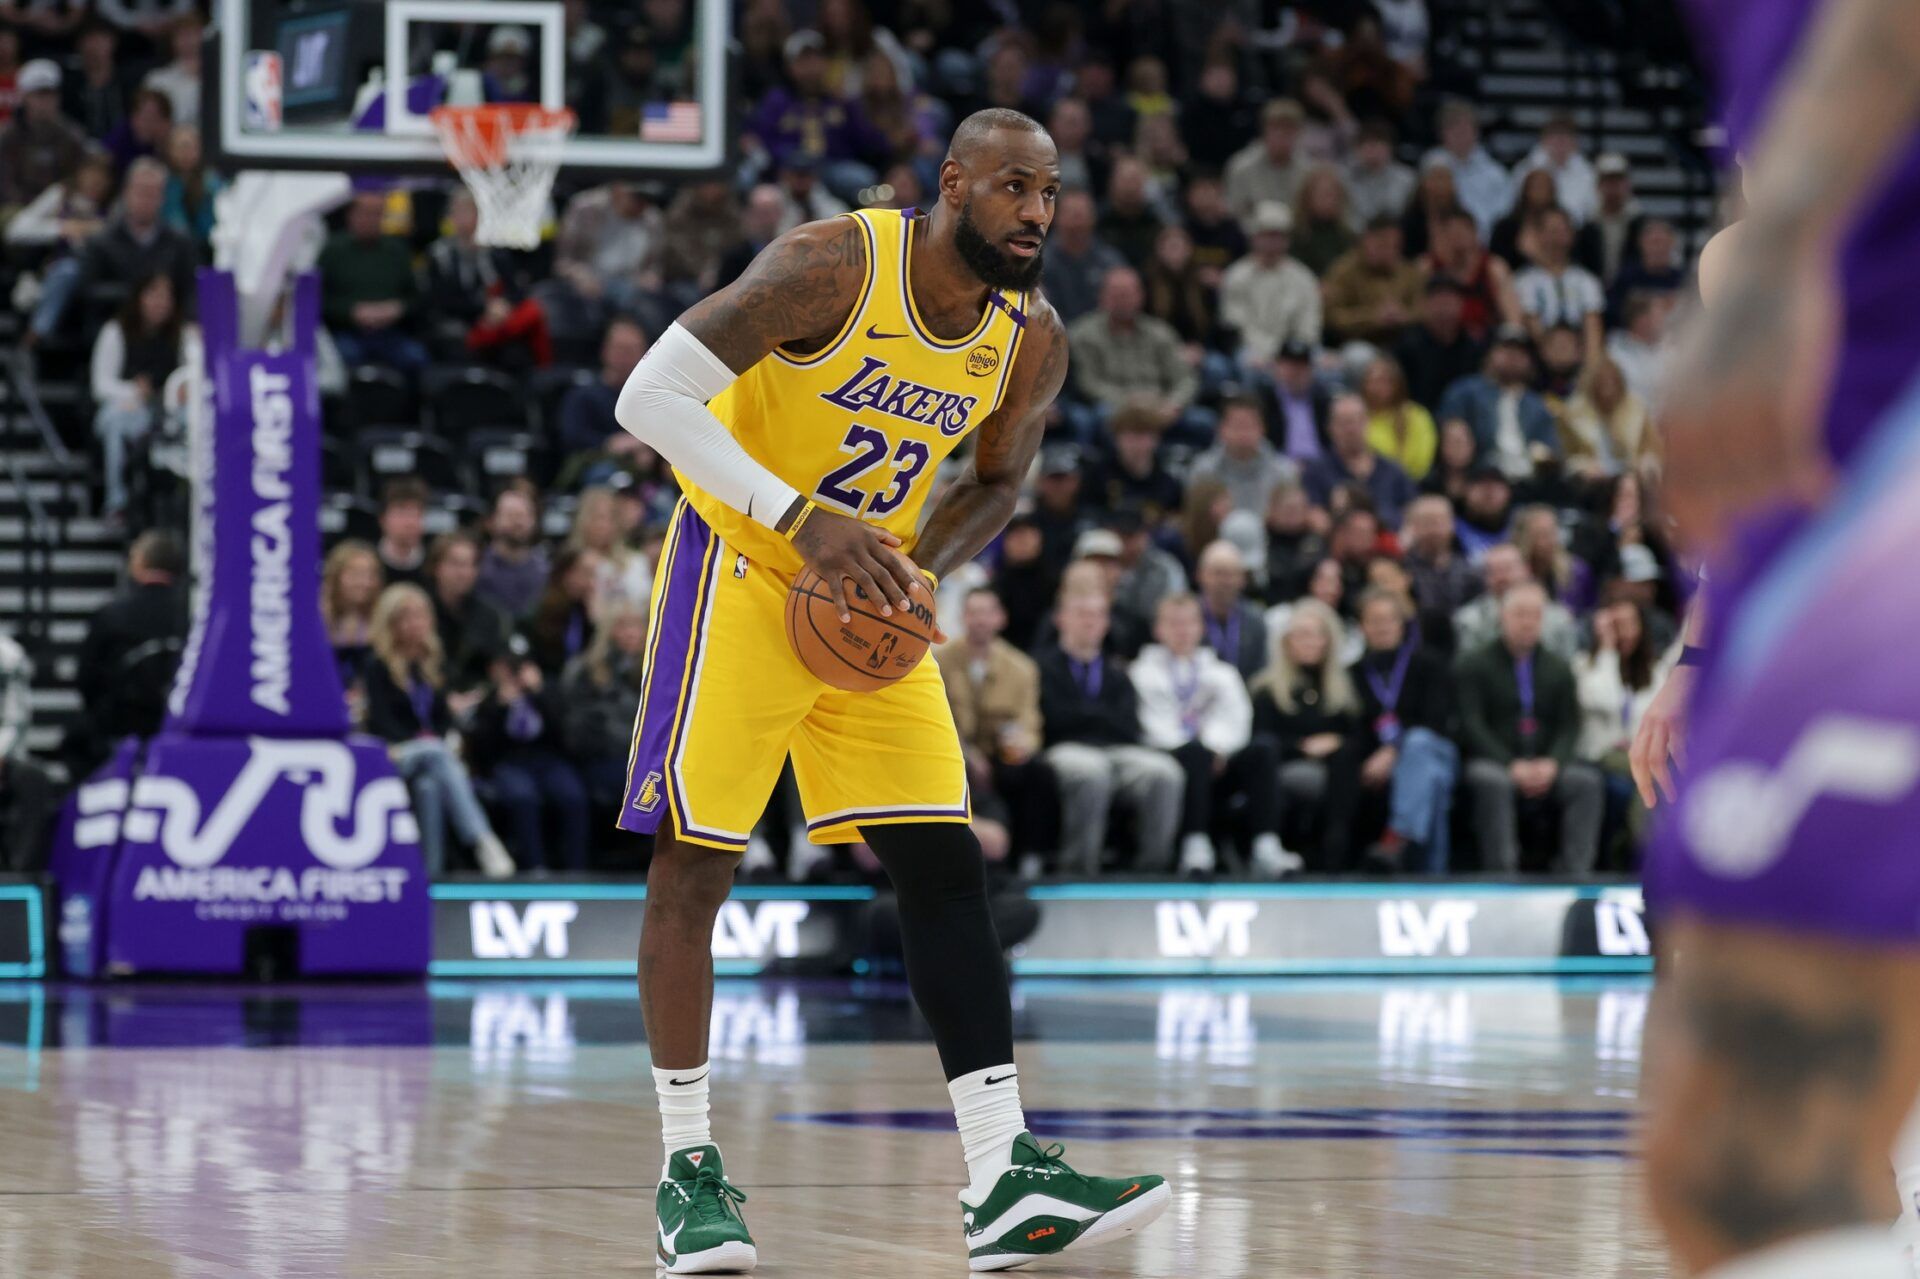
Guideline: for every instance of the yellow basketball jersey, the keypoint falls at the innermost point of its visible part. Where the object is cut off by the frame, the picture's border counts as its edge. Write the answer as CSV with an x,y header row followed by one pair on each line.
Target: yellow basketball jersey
x,y
861,425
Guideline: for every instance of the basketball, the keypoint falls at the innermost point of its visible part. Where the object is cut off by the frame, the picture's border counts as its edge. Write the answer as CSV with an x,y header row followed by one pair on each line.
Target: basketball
x,y
868,652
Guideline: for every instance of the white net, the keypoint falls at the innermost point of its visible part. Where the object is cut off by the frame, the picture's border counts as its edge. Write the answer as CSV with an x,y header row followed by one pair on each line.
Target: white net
x,y
508,156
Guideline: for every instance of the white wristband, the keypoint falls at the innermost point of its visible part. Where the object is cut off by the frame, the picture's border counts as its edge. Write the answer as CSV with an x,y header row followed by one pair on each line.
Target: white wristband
x,y
664,404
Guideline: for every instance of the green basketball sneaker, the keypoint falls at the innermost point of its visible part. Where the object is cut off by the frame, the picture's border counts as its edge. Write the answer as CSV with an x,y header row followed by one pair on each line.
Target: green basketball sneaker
x,y
1040,1207
701,1230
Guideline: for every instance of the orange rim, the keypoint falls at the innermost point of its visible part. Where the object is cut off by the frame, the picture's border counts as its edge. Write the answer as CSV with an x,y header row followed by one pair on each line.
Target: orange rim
x,y
476,137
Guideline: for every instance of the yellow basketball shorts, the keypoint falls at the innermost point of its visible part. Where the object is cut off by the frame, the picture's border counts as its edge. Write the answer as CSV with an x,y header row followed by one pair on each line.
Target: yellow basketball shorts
x,y
725,700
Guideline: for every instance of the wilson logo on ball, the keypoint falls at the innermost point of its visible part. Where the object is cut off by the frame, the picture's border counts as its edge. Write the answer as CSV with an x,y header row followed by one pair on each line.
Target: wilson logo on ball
x,y
869,650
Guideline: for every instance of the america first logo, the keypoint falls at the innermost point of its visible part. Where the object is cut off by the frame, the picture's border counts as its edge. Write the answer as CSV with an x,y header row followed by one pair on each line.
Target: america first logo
x,y
873,389
983,360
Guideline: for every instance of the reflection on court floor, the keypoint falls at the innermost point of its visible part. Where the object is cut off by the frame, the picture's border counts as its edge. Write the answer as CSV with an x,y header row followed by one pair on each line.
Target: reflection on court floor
x,y
1336,1128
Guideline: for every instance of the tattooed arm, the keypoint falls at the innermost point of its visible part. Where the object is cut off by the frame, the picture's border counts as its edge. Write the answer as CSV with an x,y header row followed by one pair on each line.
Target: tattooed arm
x,y
979,504
1748,383
797,293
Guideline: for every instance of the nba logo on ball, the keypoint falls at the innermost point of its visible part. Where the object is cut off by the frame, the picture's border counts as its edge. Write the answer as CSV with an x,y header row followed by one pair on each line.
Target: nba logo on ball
x,y
261,91
982,360
649,797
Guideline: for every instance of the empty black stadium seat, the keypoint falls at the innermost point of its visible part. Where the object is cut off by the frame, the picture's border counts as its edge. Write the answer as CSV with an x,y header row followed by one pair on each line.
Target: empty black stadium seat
x,y
390,452
379,395
494,456
462,399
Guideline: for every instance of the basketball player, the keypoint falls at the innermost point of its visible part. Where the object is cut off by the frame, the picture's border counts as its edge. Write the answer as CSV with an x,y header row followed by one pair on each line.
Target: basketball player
x,y
806,408
1786,1048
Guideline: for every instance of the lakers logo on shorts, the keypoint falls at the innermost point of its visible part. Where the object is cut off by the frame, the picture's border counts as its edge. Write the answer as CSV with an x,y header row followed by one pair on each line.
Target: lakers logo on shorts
x,y
982,360
649,797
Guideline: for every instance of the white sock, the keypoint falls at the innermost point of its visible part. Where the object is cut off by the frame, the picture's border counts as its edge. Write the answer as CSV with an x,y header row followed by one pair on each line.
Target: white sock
x,y
986,1104
683,1109
1906,1166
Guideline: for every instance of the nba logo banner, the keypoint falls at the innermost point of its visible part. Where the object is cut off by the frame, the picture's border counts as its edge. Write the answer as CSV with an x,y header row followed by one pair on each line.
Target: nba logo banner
x,y
261,96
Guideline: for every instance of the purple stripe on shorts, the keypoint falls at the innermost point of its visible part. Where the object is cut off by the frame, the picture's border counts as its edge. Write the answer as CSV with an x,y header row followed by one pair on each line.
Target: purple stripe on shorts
x,y
675,743
674,623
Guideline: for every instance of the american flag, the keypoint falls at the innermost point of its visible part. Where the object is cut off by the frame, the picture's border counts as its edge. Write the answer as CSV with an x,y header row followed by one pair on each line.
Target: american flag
x,y
670,122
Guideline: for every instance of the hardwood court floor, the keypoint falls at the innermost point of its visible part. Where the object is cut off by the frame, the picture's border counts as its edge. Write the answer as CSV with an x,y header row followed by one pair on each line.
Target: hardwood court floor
x,y
1353,1128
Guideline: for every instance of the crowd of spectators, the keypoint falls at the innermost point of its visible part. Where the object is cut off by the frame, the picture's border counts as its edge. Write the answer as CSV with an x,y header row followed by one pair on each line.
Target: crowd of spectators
x,y
1342,552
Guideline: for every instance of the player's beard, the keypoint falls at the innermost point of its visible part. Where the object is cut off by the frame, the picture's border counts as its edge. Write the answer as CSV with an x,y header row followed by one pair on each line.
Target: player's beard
x,y
994,265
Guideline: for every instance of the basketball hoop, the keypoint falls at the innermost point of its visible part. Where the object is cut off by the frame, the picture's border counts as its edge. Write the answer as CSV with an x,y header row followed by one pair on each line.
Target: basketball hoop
x,y
508,153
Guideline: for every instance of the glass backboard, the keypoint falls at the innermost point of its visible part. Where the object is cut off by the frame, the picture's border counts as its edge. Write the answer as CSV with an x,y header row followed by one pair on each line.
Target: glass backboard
x,y
349,84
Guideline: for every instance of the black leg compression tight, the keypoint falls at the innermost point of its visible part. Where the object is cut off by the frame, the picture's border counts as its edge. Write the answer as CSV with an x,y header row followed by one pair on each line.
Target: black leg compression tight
x,y
954,963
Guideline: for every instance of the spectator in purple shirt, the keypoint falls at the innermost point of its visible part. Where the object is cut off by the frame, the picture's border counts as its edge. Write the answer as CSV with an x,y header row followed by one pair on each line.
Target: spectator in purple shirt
x,y
802,117
1298,415
1351,460
513,569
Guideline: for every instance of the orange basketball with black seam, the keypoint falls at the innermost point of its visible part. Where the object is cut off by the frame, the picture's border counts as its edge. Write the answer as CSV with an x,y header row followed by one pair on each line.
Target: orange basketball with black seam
x,y
871,651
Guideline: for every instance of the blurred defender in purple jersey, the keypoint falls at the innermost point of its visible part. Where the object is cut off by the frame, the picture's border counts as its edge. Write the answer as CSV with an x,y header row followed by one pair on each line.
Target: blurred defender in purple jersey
x,y
1786,1049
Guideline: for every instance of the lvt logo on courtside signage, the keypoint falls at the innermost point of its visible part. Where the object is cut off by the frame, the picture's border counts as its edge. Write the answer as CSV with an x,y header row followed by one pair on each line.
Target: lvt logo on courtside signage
x,y
1205,930
1410,931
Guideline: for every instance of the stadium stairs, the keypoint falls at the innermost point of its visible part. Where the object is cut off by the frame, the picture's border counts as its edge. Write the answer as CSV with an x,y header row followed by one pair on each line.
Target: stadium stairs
x,y
1621,68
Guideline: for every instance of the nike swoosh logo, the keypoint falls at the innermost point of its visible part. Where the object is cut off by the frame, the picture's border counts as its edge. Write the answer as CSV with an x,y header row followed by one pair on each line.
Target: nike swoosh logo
x,y
696,1079
878,336
1003,1079
1129,1190
667,1241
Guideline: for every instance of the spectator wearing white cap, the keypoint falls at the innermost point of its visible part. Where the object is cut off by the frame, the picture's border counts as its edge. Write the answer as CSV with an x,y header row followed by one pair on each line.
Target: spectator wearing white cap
x,y
39,146
1268,296
1558,152
1610,238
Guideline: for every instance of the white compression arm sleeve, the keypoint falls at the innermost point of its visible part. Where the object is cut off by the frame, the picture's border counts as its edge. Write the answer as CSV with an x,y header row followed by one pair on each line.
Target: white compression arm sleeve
x,y
664,404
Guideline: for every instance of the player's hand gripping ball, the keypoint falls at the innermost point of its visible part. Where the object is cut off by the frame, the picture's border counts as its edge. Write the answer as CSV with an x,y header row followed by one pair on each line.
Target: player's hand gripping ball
x,y
862,654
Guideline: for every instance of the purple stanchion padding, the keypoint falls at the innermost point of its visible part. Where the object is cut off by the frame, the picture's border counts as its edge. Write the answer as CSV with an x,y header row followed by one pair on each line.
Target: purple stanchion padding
x,y
224,836
257,661
254,807
85,842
